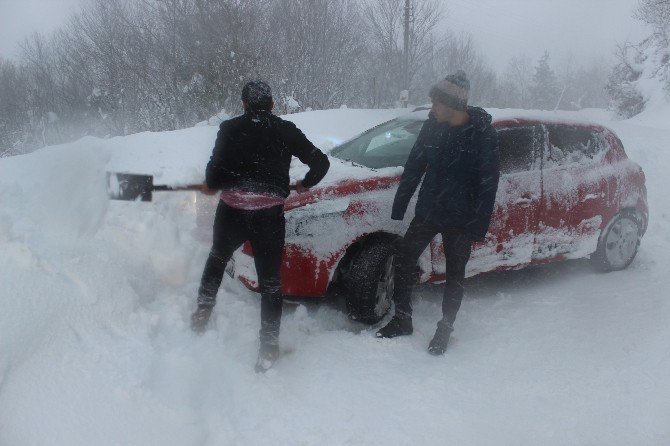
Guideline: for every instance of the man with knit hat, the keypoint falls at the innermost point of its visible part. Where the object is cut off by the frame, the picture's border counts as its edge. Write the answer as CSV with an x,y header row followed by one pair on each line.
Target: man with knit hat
x,y
250,165
456,154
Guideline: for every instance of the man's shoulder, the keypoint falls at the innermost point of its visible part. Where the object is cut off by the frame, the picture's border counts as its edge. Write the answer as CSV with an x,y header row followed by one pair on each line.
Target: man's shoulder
x,y
489,130
485,128
283,123
232,122
480,119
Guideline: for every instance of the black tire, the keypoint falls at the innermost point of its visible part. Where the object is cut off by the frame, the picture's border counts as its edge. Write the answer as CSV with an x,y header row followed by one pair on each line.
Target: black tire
x,y
618,243
367,284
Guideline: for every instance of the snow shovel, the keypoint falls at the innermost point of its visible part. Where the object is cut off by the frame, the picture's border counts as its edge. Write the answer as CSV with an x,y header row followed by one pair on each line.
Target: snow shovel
x,y
132,187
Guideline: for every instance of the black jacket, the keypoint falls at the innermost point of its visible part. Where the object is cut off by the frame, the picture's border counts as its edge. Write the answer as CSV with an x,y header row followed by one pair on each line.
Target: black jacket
x,y
462,168
253,153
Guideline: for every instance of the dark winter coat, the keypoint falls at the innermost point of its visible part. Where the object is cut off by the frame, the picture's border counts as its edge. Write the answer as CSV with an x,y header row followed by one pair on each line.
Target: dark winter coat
x,y
253,153
461,166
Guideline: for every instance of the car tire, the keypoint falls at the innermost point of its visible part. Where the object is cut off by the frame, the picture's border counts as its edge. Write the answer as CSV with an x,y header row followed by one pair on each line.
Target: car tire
x,y
618,243
368,282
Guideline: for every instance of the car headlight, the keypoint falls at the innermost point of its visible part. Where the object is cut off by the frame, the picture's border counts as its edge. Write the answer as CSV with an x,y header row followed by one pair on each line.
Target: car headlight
x,y
313,219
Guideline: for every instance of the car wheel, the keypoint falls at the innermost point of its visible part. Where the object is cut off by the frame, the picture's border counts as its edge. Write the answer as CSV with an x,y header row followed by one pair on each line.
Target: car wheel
x,y
368,283
618,243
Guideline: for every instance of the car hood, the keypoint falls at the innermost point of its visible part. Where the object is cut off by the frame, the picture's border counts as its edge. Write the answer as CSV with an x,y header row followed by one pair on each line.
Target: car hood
x,y
344,178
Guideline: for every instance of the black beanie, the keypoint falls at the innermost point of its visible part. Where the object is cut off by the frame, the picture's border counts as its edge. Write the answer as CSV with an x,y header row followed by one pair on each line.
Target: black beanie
x,y
257,95
452,91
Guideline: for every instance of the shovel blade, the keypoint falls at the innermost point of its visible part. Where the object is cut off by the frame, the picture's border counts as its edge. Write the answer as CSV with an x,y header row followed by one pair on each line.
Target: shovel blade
x,y
129,187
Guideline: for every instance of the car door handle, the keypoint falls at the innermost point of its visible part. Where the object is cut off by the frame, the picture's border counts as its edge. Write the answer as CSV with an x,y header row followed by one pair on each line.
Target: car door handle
x,y
524,201
589,197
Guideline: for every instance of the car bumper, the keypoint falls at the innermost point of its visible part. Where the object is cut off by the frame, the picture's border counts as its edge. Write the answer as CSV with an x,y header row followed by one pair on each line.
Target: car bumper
x,y
303,274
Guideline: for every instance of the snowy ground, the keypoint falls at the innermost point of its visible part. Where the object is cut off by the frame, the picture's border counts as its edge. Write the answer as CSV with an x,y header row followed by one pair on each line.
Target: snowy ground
x,y
95,346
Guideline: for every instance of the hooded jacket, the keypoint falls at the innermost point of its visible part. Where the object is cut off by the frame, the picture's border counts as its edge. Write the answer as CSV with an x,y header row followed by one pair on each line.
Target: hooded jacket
x,y
462,168
253,153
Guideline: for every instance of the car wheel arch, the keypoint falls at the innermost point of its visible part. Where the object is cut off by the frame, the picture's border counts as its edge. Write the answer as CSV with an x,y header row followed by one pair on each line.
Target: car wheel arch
x,y
355,248
635,213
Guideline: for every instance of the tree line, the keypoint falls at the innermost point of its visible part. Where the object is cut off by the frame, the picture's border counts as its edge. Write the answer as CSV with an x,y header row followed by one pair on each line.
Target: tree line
x,y
123,66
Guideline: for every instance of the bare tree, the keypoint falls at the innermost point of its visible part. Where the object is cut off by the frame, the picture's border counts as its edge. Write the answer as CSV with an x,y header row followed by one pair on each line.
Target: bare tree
x,y
318,48
14,117
460,52
655,13
384,20
517,82
582,86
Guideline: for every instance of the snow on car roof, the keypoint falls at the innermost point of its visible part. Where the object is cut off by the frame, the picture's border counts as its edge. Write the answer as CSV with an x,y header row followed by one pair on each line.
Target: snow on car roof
x,y
510,114
558,117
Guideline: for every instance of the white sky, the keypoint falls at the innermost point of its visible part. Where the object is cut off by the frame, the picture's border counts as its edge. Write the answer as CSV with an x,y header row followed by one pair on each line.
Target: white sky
x,y
20,18
581,28
502,28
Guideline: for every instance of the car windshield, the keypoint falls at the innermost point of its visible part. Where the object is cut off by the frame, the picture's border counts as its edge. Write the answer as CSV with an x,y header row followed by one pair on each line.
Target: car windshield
x,y
387,145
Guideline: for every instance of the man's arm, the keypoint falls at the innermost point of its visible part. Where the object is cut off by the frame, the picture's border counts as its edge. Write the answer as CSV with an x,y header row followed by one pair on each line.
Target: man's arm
x,y
308,154
488,169
216,174
415,167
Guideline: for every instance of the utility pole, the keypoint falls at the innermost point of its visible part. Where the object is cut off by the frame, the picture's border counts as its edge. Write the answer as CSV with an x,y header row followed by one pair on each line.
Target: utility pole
x,y
404,95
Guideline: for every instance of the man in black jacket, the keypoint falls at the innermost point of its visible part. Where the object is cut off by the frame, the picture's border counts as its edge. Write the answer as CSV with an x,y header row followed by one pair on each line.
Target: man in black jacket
x,y
250,165
456,153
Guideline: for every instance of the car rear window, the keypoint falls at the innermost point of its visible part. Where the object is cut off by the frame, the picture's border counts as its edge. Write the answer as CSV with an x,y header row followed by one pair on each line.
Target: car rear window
x,y
571,144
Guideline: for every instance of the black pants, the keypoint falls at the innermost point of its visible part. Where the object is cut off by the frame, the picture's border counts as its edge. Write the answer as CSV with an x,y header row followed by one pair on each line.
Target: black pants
x,y
265,231
457,248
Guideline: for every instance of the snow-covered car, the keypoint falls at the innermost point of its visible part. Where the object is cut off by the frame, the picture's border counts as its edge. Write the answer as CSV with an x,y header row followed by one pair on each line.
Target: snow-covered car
x,y
567,190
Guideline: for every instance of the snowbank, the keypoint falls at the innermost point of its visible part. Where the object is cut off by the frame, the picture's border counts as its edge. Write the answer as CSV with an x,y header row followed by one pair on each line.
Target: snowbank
x,y
643,81
178,157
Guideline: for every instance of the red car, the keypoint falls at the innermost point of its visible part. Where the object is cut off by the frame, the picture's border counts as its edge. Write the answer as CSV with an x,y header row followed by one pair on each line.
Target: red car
x,y
567,190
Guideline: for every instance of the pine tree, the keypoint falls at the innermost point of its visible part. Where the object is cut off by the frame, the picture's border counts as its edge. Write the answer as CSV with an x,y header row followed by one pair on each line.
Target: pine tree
x,y
545,92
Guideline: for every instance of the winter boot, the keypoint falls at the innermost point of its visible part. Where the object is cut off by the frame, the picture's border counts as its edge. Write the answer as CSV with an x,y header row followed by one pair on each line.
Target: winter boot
x,y
267,356
396,327
438,345
200,318
269,349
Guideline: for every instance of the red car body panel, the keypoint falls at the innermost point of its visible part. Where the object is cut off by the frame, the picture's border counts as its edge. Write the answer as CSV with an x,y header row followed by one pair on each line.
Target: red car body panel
x,y
547,213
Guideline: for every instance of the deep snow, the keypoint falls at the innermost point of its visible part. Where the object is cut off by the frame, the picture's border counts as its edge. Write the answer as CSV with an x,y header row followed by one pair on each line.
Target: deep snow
x,y
95,346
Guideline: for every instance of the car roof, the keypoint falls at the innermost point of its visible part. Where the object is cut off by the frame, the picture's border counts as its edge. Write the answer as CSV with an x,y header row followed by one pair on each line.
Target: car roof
x,y
506,116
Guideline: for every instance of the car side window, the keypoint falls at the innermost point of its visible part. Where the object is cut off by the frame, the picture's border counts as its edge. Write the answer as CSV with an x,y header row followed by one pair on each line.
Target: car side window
x,y
519,147
569,144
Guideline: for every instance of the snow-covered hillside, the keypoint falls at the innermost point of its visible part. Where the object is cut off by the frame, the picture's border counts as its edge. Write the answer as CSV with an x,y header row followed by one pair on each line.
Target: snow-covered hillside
x,y
640,83
95,346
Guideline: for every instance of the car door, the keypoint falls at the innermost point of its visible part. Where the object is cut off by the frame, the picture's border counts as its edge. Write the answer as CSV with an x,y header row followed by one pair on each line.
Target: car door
x,y
387,145
575,195
510,240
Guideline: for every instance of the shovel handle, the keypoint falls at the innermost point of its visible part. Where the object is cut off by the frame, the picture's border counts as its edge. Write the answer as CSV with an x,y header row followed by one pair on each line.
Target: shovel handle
x,y
192,187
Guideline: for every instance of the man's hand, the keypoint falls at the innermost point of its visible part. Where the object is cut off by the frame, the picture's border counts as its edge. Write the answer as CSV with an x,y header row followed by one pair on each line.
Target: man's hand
x,y
206,190
299,188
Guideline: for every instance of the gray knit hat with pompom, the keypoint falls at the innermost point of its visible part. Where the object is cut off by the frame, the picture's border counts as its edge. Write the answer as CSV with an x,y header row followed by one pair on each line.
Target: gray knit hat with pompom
x,y
452,91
